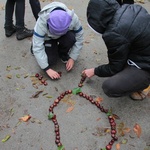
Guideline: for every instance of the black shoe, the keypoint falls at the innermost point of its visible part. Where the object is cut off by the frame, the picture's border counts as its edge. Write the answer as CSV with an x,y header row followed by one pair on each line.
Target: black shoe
x,y
10,30
64,58
24,33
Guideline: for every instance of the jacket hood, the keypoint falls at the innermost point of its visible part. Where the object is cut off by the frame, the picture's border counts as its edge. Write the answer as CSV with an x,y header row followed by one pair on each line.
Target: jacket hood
x,y
100,12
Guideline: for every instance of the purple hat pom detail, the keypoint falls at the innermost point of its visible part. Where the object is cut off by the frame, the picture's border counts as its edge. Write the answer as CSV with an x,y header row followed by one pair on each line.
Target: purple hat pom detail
x,y
58,22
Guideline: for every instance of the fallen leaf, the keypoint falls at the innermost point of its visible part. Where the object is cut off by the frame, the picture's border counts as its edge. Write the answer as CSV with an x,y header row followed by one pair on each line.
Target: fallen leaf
x,y
6,138
45,94
107,130
122,129
98,119
9,76
61,147
25,118
18,75
99,99
124,141
147,148
70,109
127,130
48,96
26,75
76,90
17,68
56,89
117,146
8,68
34,120
36,95
137,129
115,116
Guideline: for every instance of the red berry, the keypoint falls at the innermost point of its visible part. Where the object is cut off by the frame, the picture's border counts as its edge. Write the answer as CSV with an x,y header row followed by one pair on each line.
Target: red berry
x,y
69,91
113,131
36,75
108,147
40,77
81,94
59,144
45,83
80,85
60,73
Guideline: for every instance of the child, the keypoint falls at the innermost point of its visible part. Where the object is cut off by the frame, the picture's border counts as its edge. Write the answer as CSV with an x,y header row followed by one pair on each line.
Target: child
x,y
57,33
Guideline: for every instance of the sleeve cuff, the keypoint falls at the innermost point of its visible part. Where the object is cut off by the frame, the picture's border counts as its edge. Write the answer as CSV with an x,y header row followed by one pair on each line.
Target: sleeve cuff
x,y
45,69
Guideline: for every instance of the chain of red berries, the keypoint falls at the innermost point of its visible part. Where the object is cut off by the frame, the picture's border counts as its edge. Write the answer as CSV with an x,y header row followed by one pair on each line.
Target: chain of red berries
x,y
52,116
40,77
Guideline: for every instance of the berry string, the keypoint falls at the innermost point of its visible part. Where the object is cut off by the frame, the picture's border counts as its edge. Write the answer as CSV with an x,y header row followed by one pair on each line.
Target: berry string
x,y
52,115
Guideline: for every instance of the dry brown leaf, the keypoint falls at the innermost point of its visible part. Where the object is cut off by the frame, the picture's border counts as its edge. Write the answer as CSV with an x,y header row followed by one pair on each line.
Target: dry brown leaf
x,y
87,42
127,130
36,95
9,76
137,129
25,118
115,116
107,130
98,119
118,146
70,109
99,99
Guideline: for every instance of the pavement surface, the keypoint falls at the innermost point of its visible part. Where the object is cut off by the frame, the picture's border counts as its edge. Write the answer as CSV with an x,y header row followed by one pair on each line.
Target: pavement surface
x,y
82,125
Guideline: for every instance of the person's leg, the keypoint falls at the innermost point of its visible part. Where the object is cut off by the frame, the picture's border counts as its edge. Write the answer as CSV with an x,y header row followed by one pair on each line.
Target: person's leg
x,y
51,49
9,10
131,79
22,32
65,44
36,7
128,1
121,2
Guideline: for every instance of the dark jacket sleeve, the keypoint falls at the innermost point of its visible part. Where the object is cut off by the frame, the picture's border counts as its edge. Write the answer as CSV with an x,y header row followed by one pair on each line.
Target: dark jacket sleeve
x,y
118,49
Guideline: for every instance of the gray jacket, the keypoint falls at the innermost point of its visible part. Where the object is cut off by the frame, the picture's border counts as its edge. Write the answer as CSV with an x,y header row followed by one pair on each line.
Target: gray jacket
x,y
41,33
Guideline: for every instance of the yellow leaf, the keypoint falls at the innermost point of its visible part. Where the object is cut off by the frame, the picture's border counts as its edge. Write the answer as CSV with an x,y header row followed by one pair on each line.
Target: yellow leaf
x,y
70,109
9,76
25,118
6,138
137,129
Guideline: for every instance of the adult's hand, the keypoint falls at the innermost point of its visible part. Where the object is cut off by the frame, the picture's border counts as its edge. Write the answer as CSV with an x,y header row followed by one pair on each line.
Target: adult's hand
x,y
69,64
53,74
89,72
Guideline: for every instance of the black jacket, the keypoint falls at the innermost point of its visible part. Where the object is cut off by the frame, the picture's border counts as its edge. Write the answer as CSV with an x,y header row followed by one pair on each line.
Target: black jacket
x,y
126,32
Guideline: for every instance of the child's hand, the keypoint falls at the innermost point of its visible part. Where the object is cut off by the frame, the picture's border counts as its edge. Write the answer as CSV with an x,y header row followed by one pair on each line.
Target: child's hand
x,y
53,74
89,72
69,64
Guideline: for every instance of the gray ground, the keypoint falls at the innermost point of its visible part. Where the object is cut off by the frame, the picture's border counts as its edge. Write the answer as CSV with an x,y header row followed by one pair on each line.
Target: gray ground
x,y
81,129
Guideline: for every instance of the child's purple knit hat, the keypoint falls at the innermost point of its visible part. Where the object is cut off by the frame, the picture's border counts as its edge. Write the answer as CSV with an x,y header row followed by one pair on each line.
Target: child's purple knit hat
x,y
58,22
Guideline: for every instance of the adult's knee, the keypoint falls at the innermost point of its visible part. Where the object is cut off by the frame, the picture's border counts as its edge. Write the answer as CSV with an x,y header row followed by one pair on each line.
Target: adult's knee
x,y
110,89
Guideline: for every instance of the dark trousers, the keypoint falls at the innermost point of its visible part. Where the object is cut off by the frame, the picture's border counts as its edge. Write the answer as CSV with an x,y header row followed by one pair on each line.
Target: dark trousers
x,y
131,79
56,47
19,7
121,2
36,7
